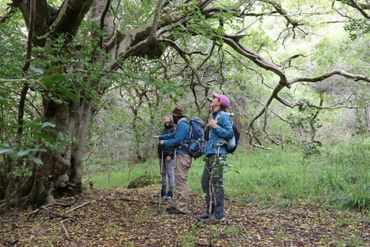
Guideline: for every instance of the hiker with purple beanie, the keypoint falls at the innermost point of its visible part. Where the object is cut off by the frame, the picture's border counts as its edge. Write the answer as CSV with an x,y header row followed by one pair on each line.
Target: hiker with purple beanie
x,y
220,129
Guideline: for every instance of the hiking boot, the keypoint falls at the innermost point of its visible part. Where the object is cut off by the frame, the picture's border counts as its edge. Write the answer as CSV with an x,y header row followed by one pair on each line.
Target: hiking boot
x,y
169,196
211,220
214,219
203,216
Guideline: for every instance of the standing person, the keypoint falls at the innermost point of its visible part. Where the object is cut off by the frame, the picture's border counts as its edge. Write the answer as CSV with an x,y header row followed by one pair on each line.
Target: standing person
x,y
167,162
179,140
220,129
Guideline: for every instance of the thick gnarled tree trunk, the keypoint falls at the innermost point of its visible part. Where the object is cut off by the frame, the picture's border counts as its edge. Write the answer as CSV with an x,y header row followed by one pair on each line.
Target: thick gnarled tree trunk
x,y
62,170
65,170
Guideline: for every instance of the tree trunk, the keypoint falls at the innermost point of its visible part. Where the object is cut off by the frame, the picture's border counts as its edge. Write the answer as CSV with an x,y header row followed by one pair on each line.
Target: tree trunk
x,y
367,117
81,124
62,171
137,136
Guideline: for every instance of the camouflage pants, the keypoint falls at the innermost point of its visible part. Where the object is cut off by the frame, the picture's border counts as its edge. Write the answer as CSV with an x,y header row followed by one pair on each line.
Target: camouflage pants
x,y
213,185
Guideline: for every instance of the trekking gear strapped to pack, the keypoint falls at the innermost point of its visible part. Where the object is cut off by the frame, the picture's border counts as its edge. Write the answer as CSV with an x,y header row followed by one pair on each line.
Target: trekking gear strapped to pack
x,y
196,145
231,144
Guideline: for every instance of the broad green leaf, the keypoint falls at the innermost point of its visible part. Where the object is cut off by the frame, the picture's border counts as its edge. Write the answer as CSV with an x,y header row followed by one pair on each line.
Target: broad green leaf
x,y
37,70
27,151
37,161
47,124
49,81
71,95
5,150
23,153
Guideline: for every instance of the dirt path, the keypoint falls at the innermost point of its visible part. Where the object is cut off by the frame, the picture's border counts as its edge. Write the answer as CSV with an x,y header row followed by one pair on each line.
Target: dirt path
x,y
123,217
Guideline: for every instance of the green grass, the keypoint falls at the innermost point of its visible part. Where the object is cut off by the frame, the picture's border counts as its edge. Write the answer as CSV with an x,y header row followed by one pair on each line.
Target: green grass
x,y
338,176
120,176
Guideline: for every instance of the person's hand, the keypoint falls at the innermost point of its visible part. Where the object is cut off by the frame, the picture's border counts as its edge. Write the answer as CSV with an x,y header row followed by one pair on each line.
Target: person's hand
x,y
212,123
161,142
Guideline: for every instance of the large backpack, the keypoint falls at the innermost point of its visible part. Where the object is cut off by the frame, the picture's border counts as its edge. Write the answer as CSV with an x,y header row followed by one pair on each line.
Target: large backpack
x,y
231,144
196,145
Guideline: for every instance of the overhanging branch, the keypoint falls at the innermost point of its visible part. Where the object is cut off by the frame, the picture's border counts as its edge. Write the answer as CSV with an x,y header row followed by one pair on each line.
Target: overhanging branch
x,y
283,12
21,80
361,7
156,20
330,74
257,59
183,56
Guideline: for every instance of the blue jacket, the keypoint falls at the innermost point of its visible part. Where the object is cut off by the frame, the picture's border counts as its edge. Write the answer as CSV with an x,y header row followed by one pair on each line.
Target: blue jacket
x,y
161,149
179,138
224,131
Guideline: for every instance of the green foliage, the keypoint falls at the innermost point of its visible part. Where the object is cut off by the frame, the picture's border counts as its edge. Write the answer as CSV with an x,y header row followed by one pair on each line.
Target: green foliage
x,y
65,71
305,117
58,73
339,51
337,176
357,28
39,138
133,14
120,175
13,53
189,239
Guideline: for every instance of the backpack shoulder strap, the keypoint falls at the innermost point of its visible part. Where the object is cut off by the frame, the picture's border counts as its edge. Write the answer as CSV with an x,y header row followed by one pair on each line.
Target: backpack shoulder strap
x,y
220,113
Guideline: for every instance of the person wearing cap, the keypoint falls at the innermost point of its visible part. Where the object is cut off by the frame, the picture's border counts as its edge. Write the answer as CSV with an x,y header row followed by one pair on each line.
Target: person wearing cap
x,y
220,129
166,162
179,140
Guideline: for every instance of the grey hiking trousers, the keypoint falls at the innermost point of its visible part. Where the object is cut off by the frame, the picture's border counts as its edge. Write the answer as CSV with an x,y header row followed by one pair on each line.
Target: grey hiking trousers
x,y
167,174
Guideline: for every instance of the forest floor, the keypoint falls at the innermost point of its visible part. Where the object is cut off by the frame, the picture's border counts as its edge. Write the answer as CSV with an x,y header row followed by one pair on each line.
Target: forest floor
x,y
133,217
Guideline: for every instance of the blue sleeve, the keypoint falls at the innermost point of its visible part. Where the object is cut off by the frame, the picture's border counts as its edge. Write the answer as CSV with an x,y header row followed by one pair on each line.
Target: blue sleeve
x,y
167,136
224,127
182,131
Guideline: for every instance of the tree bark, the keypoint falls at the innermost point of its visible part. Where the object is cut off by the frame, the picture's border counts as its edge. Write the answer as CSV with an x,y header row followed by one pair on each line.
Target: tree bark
x,y
63,170
81,123
367,117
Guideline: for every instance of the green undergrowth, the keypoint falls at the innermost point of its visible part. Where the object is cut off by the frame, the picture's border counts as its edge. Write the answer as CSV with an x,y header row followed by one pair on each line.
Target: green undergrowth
x,y
338,175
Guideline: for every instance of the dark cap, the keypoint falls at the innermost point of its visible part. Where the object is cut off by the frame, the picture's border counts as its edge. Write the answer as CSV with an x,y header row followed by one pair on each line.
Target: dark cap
x,y
178,112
